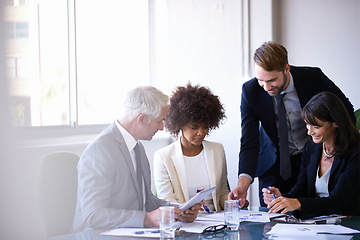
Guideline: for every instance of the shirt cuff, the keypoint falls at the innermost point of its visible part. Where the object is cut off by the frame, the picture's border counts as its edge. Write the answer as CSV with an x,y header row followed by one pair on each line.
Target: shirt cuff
x,y
246,175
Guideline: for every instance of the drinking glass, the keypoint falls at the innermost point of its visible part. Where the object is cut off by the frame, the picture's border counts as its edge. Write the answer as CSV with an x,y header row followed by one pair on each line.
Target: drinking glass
x,y
232,215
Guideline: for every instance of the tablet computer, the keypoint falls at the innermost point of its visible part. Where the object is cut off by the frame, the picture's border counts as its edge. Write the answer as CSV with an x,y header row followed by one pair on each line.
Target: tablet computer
x,y
196,198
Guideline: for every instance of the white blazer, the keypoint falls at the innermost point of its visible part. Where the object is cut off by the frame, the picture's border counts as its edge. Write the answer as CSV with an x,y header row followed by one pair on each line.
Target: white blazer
x,y
170,173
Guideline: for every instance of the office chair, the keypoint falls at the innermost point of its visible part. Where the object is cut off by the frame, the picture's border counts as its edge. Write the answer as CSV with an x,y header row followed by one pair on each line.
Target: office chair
x,y
58,190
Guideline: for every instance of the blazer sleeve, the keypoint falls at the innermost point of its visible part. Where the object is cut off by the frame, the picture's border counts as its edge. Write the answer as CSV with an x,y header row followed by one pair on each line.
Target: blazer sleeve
x,y
163,185
248,157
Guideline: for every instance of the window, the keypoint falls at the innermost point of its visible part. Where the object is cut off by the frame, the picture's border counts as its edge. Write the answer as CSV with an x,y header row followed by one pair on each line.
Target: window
x,y
70,63
112,55
37,62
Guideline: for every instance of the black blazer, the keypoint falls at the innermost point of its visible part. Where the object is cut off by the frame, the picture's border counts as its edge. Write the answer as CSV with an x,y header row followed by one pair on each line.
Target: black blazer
x,y
257,156
344,184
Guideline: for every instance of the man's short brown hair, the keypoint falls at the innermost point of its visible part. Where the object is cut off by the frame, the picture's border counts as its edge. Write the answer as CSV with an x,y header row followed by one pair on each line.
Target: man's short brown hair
x,y
271,56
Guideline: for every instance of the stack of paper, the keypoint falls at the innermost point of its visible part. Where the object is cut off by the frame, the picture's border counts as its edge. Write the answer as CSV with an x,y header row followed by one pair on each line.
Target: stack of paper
x,y
304,231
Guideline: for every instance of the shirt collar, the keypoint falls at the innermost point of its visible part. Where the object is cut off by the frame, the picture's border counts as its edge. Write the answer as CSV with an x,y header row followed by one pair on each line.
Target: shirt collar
x,y
129,140
290,87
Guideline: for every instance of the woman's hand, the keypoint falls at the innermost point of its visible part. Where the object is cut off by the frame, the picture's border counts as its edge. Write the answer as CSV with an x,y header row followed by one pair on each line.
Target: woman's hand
x,y
284,205
270,194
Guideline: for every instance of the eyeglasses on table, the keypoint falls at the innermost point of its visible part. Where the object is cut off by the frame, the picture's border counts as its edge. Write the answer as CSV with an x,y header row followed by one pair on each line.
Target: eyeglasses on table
x,y
215,228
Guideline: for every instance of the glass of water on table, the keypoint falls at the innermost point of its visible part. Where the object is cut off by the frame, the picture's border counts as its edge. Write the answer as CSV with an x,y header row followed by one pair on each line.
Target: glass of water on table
x,y
232,215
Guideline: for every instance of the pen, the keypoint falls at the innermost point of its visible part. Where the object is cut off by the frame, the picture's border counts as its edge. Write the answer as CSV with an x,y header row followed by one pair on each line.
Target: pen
x,y
150,231
273,195
204,206
237,199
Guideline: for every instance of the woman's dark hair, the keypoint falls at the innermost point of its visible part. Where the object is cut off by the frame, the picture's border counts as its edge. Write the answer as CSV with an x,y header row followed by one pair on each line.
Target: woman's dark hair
x,y
193,104
327,107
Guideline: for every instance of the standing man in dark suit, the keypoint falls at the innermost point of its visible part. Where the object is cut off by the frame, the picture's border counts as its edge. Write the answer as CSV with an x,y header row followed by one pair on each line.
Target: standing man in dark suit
x,y
273,133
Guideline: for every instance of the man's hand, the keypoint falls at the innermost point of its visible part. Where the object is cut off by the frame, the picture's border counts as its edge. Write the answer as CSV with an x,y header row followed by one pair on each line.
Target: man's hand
x,y
189,215
240,192
152,219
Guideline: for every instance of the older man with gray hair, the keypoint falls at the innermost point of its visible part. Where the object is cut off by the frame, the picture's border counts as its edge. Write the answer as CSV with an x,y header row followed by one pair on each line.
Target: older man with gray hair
x,y
114,173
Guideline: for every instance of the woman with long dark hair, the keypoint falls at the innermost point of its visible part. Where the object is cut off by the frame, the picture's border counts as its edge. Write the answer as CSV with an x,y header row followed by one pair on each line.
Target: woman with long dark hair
x,y
329,180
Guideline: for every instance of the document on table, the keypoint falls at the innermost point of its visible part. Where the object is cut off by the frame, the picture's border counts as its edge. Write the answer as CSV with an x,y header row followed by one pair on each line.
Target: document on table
x,y
282,229
313,237
198,226
245,215
133,232
213,217
254,216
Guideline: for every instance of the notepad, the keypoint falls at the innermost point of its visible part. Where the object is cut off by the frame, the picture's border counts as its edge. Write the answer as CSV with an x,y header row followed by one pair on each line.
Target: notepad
x,y
196,198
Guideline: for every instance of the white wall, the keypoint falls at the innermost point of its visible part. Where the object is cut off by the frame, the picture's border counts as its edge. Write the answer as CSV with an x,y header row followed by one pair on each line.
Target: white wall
x,y
324,33
201,42
320,33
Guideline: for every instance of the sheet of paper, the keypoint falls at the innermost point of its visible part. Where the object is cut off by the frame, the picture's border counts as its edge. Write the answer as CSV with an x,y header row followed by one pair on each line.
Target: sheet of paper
x,y
307,229
313,237
198,226
133,232
213,217
254,216
245,215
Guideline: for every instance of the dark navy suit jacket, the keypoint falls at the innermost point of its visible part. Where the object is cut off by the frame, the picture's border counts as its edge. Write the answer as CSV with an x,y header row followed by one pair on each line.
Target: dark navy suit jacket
x,y
344,184
259,146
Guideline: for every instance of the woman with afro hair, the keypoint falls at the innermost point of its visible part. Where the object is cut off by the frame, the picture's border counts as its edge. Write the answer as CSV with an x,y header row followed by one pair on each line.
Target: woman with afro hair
x,y
192,163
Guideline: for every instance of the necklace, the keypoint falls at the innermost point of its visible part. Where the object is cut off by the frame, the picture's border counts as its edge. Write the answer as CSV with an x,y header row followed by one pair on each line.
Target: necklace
x,y
327,155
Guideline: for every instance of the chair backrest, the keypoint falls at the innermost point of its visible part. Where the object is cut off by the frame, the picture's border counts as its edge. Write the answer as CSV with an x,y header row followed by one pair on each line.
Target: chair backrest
x,y
58,190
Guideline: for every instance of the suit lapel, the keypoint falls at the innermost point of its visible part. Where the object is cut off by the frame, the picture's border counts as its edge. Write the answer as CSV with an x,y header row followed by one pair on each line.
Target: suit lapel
x,y
125,151
313,167
268,118
335,165
179,163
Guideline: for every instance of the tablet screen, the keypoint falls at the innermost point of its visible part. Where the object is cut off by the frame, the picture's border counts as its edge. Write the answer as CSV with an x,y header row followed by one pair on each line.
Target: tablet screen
x,y
196,198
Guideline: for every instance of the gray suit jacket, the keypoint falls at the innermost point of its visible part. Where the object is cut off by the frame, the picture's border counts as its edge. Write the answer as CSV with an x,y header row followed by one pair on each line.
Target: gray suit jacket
x,y
108,192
